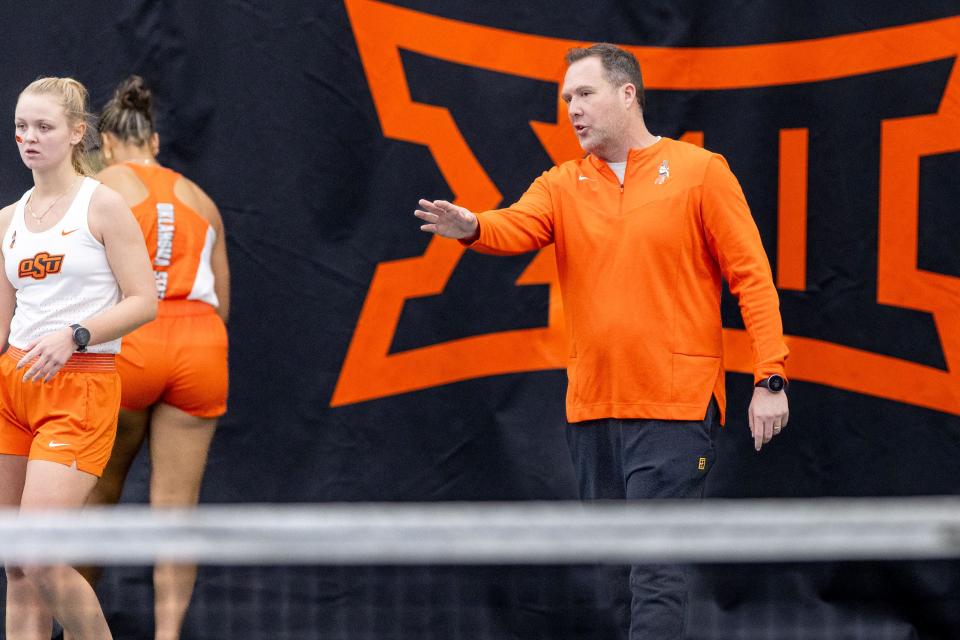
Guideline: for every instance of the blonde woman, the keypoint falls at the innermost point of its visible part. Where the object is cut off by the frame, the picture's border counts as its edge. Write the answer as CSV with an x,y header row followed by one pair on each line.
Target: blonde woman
x,y
77,279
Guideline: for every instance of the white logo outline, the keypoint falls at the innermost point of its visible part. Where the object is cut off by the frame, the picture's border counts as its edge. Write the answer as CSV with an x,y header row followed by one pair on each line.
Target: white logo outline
x,y
663,173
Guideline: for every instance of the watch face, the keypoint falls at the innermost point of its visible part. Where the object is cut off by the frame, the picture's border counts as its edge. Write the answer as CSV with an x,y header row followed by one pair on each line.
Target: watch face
x,y
81,336
775,383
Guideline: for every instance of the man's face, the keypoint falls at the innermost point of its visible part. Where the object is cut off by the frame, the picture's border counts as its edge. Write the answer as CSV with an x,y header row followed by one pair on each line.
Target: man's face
x,y
597,109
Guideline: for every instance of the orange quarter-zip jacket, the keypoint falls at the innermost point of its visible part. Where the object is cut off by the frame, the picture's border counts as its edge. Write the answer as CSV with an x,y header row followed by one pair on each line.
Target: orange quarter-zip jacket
x,y
640,269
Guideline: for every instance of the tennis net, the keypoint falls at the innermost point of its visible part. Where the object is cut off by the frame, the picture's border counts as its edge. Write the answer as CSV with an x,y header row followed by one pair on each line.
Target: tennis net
x,y
823,568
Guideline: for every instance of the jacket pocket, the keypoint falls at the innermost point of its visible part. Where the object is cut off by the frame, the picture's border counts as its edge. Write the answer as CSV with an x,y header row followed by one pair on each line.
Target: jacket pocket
x,y
693,379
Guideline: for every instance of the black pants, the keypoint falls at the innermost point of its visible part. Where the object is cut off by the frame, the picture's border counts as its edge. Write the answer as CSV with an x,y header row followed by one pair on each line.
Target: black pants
x,y
647,459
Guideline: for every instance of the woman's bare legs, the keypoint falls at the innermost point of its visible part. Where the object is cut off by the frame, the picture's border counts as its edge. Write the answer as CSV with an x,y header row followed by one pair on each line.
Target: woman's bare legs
x,y
179,443
27,615
61,588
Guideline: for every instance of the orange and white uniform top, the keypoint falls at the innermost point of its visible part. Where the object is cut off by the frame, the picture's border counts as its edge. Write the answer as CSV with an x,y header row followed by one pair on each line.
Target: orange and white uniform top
x,y
180,240
61,275
180,358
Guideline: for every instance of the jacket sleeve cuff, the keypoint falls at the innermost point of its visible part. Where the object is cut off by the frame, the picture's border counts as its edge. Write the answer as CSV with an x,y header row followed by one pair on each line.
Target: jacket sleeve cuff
x,y
470,240
766,372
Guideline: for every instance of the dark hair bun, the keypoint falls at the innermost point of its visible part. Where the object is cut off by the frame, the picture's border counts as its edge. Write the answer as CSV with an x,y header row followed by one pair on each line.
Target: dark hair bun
x,y
134,94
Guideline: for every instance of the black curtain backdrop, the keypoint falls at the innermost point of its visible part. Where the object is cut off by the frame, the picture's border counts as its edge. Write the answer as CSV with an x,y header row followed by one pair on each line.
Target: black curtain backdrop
x,y
268,106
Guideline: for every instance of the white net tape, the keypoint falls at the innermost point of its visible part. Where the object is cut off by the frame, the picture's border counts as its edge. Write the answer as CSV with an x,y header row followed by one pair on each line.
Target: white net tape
x,y
472,533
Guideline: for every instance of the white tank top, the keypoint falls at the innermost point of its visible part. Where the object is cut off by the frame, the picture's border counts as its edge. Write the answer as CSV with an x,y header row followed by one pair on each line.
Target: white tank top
x,y
61,275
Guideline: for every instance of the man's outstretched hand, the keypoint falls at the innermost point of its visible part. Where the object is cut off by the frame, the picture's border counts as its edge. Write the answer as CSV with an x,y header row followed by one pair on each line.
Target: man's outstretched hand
x,y
446,219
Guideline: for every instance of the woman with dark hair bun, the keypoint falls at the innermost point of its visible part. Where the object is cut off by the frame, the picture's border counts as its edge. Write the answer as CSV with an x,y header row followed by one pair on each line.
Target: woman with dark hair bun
x,y
174,369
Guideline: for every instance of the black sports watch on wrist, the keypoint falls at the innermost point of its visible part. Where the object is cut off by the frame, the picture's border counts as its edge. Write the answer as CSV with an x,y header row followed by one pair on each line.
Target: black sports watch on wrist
x,y
81,337
774,383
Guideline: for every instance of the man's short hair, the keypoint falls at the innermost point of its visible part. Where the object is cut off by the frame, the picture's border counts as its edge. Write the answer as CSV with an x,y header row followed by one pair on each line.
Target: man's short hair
x,y
619,66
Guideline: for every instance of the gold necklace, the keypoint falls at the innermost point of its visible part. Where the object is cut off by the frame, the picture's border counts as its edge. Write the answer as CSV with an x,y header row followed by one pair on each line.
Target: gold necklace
x,y
40,217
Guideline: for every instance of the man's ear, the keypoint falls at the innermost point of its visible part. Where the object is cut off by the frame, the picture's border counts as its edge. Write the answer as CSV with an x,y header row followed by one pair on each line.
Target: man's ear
x,y
629,94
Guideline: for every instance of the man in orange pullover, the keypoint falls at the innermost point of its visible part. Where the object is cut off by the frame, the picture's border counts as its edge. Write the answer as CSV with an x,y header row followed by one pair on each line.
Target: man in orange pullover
x,y
644,227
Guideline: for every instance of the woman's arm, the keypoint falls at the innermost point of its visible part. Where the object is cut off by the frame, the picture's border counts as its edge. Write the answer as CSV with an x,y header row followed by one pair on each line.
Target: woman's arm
x,y
221,269
112,222
8,294
195,197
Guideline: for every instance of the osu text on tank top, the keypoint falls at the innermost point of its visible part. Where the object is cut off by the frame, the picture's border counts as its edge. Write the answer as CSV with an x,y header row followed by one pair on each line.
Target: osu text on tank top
x,y
61,275
179,240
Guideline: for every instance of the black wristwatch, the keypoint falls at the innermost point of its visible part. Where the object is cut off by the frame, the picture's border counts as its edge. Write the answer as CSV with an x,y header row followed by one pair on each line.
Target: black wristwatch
x,y
81,337
774,383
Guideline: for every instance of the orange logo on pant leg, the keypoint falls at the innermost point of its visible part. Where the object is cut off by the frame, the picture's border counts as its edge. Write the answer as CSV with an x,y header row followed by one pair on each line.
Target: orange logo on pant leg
x,y
382,31
40,266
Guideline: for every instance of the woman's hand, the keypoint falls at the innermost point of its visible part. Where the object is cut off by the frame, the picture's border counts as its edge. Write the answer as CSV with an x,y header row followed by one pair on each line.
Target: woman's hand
x,y
48,355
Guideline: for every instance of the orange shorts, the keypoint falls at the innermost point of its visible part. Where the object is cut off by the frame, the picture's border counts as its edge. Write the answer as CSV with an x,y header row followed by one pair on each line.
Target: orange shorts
x,y
71,418
179,359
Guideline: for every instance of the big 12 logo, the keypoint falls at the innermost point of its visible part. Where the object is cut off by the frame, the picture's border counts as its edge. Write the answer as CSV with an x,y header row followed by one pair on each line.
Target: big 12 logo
x,y
800,73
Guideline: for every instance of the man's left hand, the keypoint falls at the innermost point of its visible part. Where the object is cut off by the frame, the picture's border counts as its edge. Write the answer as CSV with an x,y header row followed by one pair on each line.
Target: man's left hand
x,y
768,415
